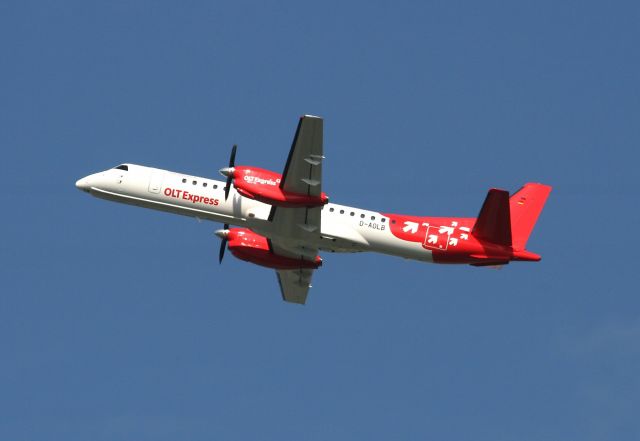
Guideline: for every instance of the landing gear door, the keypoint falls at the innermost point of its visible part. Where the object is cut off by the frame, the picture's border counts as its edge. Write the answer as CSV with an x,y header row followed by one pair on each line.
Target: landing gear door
x,y
155,182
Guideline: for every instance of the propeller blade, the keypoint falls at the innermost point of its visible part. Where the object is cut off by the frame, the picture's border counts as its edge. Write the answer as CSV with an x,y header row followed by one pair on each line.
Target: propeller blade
x,y
232,159
223,244
227,188
232,163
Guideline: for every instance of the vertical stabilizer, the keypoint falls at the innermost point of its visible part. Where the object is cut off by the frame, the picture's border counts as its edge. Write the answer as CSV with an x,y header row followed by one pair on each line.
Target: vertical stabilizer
x,y
493,223
526,205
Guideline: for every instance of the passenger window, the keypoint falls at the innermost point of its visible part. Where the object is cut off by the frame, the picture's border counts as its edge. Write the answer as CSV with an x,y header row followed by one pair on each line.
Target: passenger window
x,y
184,180
215,186
373,218
341,211
195,182
362,215
204,184
331,209
393,221
352,213
382,220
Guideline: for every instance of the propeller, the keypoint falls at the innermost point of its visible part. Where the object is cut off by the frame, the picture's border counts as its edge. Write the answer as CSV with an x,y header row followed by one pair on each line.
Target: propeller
x,y
223,234
228,171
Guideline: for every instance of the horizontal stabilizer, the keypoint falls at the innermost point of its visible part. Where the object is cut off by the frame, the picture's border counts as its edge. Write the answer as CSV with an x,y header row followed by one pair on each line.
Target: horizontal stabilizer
x,y
494,221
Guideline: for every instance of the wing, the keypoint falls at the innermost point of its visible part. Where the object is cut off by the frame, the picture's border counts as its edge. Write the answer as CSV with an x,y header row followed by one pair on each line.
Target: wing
x,y
296,231
294,284
303,172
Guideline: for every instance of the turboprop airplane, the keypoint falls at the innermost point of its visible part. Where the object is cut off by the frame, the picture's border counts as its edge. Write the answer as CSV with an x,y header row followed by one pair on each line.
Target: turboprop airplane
x,y
282,221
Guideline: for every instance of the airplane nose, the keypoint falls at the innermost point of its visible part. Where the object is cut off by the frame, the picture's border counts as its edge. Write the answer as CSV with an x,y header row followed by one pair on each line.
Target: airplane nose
x,y
82,184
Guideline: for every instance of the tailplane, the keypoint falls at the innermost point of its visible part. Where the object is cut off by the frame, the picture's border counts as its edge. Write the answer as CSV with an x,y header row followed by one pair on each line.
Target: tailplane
x,y
525,206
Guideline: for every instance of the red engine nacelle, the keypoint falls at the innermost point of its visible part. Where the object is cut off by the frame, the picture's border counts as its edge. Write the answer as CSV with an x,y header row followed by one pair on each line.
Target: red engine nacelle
x,y
264,186
251,247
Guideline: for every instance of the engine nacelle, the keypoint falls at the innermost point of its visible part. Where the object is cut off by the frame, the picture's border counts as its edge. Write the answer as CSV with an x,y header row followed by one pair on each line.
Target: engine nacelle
x,y
264,186
251,247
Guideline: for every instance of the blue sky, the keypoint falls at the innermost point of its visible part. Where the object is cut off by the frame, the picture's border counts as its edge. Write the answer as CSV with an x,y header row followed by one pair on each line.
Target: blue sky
x,y
118,323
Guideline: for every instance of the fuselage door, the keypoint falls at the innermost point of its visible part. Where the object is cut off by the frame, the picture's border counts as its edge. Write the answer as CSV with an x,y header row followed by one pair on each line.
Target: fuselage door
x,y
155,182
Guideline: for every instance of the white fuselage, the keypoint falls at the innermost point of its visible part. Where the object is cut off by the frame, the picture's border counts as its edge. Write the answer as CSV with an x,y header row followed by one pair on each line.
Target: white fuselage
x,y
343,228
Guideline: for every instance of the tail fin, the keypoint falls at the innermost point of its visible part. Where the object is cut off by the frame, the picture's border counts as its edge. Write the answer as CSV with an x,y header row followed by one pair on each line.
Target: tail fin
x,y
526,205
494,221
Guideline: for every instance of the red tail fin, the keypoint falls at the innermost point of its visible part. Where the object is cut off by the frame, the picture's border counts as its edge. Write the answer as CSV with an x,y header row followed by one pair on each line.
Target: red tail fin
x,y
526,205
493,223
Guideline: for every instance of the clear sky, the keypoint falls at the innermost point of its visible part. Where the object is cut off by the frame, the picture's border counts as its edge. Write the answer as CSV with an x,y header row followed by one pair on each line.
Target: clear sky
x,y
117,323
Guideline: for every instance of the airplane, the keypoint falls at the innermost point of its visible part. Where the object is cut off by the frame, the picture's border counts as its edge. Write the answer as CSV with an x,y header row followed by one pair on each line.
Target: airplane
x,y
282,221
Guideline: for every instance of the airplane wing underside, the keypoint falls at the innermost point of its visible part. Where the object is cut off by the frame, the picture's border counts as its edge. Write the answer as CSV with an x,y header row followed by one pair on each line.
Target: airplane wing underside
x,y
296,231
303,171
295,284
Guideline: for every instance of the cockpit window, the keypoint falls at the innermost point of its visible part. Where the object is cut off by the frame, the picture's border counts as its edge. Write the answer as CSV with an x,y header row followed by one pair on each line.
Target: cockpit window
x,y
123,167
